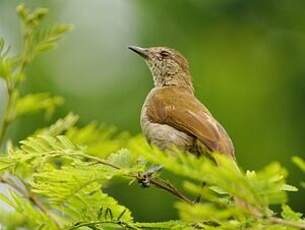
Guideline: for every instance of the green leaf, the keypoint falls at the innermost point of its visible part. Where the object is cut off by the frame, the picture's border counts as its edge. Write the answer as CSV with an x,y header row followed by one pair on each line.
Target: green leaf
x,y
207,212
99,140
5,164
289,214
124,159
94,205
48,39
32,103
6,68
299,162
60,126
290,188
172,224
70,183
30,18
33,217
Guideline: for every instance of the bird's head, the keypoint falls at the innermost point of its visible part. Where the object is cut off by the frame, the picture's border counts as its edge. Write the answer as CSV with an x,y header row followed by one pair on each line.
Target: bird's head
x,y
168,66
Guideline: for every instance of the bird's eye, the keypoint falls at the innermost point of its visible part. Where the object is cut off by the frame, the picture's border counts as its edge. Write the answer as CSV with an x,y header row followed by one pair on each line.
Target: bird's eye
x,y
164,54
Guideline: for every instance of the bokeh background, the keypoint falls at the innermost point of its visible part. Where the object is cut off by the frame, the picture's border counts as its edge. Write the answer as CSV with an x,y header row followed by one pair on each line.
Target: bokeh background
x,y
247,59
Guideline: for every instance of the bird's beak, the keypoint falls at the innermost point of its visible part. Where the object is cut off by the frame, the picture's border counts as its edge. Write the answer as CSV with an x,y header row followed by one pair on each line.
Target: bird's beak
x,y
141,51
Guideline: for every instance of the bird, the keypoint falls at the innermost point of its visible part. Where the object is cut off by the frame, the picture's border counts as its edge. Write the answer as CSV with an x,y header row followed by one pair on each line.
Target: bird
x,y
172,116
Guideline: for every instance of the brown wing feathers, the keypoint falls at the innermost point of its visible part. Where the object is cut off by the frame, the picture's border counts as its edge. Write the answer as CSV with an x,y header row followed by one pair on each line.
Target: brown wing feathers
x,y
190,116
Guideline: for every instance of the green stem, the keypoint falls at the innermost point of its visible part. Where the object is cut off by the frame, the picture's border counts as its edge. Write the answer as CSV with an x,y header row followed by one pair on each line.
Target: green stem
x,y
157,182
3,131
11,86
113,222
288,223
123,224
6,121
166,186
30,196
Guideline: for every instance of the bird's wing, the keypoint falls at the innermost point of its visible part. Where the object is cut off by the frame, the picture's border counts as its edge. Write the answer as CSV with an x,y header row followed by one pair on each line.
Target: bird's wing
x,y
187,114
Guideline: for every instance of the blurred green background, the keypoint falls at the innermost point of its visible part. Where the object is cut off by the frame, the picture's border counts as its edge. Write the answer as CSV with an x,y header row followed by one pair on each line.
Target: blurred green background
x,y
247,59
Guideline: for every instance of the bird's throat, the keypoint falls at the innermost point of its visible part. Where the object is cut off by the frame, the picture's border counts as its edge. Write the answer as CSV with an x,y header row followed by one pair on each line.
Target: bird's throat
x,y
178,79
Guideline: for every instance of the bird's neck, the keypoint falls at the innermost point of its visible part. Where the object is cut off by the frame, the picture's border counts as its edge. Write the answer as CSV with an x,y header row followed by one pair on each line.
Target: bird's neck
x,y
182,80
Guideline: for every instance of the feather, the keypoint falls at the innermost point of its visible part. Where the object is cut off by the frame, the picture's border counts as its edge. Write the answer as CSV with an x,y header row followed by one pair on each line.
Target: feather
x,y
180,109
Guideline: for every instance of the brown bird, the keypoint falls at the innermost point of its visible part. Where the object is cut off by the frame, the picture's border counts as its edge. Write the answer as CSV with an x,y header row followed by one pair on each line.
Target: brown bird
x,y
171,115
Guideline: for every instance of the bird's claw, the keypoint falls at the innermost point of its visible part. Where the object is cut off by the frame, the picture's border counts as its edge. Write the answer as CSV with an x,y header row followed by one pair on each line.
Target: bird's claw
x,y
145,178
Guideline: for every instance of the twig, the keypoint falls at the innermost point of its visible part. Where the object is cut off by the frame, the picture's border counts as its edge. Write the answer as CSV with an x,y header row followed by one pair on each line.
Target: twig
x,y
170,188
99,160
33,198
157,182
12,185
11,85
167,186
3,131
160,183
30,196
276,220
6,123
94,224
125,225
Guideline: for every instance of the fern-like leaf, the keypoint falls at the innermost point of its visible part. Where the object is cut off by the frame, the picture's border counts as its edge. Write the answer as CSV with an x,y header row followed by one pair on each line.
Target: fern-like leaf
x,y
32,103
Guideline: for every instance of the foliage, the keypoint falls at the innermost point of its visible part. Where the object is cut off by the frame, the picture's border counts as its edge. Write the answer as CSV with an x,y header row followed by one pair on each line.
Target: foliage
x,y
100,140
301,164
12,68
58,175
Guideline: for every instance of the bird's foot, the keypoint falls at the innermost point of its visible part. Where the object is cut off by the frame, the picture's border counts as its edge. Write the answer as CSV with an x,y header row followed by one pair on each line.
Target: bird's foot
x,y
145,178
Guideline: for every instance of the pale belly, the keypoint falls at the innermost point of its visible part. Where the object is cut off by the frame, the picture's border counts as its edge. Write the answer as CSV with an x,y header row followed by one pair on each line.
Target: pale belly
x,y
165,136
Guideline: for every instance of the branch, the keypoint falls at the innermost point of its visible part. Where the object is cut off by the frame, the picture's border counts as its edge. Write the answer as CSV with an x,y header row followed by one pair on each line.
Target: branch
x,y
5,123
3,131
159,183
276,220
30,196
11,85
95,224
167,186
123,224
